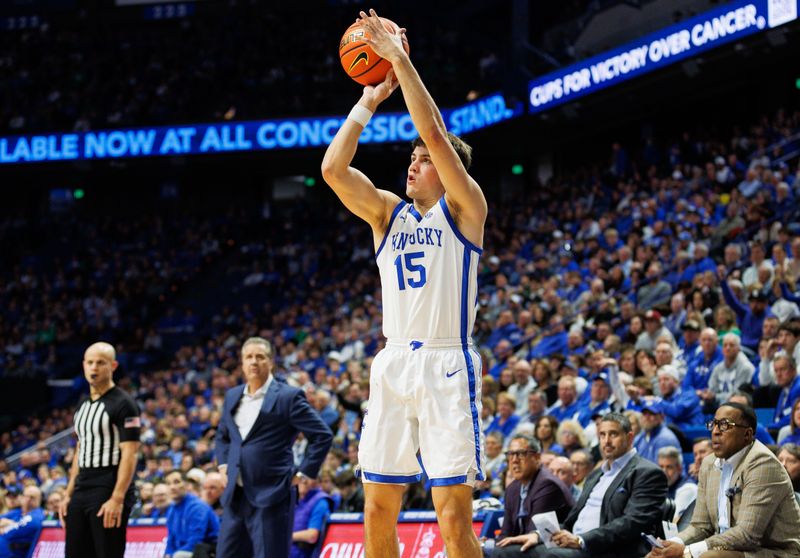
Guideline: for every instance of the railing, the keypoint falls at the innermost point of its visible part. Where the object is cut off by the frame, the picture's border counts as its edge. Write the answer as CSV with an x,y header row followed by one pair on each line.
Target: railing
x,y
57,443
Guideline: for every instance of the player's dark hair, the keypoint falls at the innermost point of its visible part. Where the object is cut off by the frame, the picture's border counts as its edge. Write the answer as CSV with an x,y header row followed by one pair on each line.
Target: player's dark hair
x,y
620,419
463,150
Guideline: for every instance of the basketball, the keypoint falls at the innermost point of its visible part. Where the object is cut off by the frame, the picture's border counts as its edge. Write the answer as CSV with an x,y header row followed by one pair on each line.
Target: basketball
x,y
359,60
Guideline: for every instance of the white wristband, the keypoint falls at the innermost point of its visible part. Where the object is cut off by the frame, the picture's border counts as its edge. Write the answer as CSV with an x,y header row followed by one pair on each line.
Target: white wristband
x,y
360,114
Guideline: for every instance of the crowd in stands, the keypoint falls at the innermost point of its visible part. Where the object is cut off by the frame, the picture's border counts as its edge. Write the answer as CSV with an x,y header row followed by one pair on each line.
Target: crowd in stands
x,y
660,288
98,69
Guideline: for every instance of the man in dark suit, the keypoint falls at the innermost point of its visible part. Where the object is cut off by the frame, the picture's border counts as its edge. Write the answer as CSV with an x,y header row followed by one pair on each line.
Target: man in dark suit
x,y
620,500
259,423
534,490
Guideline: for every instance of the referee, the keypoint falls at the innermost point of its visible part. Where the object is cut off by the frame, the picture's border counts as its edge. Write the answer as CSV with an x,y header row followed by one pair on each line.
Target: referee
x,y
99,494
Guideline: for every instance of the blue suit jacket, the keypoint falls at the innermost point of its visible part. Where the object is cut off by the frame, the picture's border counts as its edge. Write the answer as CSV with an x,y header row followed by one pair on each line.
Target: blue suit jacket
x,y
264,458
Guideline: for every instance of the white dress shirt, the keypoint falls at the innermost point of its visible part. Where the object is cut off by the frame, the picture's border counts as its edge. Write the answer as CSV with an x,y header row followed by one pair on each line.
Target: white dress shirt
x,y
247,412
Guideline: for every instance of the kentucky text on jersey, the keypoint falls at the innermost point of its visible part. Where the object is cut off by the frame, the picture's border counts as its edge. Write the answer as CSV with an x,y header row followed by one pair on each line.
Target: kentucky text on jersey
x,y
423,236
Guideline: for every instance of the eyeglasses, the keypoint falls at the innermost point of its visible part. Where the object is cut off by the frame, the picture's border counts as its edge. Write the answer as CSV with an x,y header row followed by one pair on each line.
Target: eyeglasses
x,y
724,425
520,454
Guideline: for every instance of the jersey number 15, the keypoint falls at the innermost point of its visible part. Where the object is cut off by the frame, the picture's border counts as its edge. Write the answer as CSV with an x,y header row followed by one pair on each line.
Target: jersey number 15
x,y
416,271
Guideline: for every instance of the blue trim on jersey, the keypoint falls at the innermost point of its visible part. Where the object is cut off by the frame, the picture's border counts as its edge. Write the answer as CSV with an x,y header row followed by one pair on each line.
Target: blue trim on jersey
x,y
391,479
400,205
476,429
449,481
461,237
413,211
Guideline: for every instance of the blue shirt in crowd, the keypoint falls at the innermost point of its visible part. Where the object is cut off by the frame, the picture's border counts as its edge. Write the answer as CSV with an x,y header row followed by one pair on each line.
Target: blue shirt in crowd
x,y
189,522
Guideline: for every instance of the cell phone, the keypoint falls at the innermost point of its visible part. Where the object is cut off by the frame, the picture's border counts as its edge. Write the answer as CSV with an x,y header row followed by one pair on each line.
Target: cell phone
x,y
652,540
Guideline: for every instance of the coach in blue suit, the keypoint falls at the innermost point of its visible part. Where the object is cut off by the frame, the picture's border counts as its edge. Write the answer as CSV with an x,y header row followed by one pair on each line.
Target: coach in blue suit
x,y
259,423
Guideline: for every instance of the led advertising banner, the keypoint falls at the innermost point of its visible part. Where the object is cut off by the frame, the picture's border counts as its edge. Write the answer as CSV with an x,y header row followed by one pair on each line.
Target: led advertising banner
x,y
420,539
142,542
263,135
686,39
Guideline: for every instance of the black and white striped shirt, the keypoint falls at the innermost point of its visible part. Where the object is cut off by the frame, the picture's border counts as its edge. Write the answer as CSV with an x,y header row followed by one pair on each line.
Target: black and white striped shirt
x,y
102,424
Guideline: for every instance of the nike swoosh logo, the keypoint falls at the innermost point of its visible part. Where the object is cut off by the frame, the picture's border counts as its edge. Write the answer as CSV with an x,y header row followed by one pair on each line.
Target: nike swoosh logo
x,y
451,374
361,56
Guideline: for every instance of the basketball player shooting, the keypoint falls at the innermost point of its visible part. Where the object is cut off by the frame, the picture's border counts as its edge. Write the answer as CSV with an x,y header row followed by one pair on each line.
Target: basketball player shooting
x,y
425,385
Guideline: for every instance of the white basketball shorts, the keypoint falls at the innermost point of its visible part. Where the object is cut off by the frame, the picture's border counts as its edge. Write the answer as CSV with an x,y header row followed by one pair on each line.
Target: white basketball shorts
x,y
425,396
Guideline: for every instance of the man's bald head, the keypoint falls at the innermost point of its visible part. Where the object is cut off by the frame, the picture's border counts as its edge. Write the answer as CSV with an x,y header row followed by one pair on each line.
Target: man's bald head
x,y
101,347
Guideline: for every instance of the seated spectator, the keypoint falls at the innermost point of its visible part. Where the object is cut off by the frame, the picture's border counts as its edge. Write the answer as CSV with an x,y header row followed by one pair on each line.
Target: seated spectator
x,y
788,380
20,526
674,322
790,434
495,459
621,499
534,490
144,503
680,486
733,371
789,456
213,487
161,501
785,343
750,316
53,504
653,331
311,515
744,500
656,292
655,434
681,408
689,343
699,369
561,467
570,436
190,521
598,404
537,404
505,421
665,356
567,406
352,492
701,447
522,386
545,434
505,328
555,341
582,464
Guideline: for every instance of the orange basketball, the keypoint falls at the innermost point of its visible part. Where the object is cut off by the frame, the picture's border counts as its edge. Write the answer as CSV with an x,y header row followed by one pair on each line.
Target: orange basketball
x,y
359,60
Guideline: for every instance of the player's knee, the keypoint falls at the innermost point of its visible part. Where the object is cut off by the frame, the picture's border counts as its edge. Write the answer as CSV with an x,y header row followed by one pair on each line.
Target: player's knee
x,y
377,510
454,523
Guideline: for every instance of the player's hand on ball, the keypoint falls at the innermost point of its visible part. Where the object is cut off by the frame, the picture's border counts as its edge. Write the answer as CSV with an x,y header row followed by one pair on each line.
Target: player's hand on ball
x,y
386,45
376,94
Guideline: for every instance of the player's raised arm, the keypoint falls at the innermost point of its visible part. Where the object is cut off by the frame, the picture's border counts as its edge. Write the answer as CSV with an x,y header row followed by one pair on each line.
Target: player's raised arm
x,y
462,192
353,187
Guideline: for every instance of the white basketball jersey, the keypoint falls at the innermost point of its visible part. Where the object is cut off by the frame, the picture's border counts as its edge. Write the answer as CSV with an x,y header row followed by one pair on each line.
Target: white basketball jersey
x,y
429,276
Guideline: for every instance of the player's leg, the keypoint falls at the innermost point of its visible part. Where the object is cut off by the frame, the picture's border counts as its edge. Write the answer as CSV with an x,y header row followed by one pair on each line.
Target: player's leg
x,y
381,508
451,442
387,452
454,512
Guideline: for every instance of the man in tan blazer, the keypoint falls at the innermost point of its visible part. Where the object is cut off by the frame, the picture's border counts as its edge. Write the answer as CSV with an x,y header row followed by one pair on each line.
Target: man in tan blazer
x,y
745,501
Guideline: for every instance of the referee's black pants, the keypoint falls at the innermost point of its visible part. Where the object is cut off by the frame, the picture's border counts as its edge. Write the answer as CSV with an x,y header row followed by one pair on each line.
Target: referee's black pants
x,y
86,537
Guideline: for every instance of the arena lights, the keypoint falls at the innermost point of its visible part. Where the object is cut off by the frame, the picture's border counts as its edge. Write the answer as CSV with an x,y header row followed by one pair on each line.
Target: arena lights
x,y
231,137
686,39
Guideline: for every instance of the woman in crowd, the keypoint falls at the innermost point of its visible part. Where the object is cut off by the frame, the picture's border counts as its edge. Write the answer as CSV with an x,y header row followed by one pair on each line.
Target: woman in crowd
x,y
505,421
790,434
545,432
570,436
